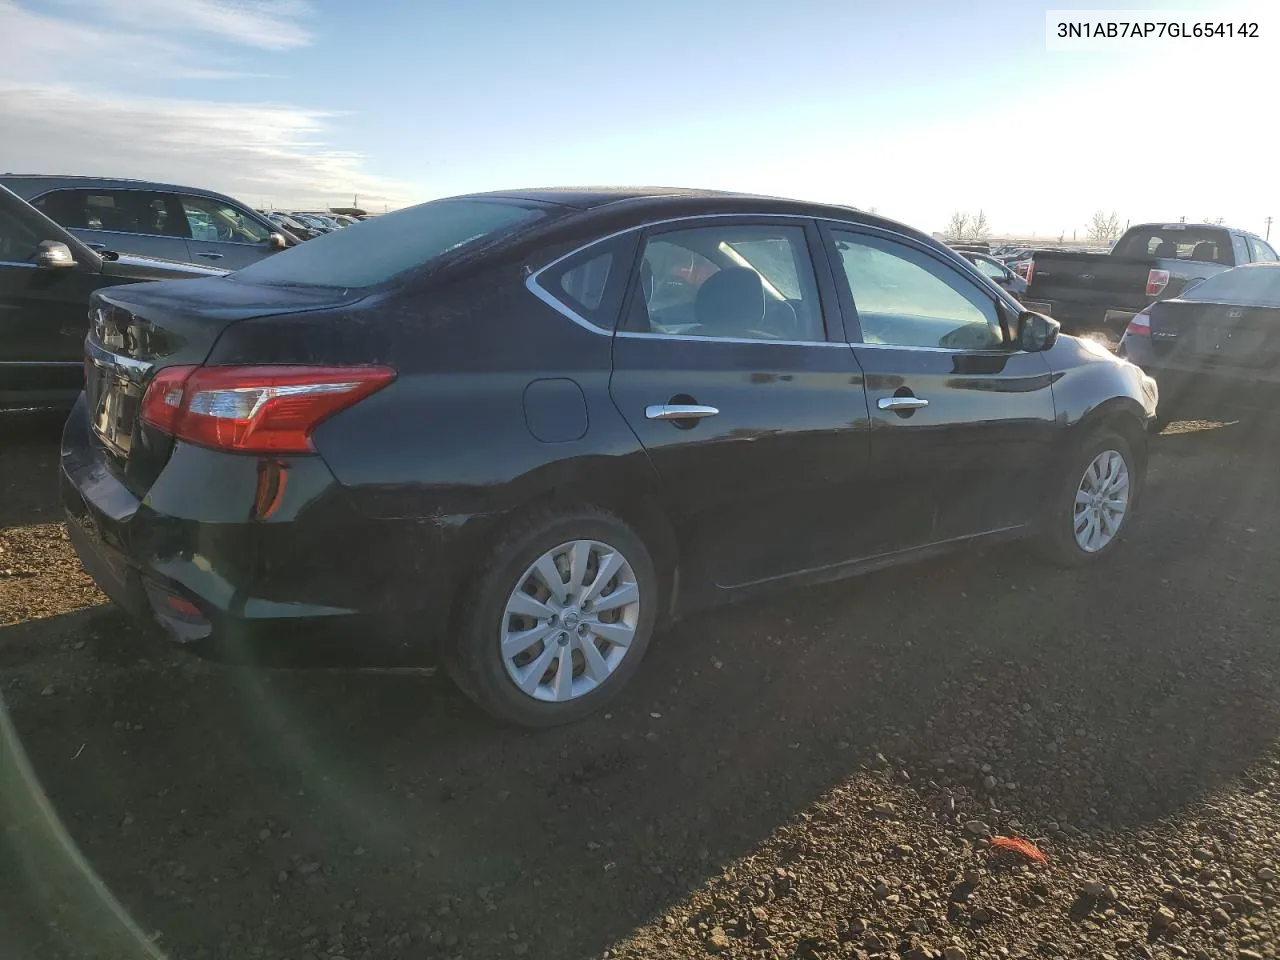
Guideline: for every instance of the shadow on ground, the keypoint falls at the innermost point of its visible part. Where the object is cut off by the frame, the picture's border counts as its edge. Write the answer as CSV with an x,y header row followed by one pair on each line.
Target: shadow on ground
x,y
232,809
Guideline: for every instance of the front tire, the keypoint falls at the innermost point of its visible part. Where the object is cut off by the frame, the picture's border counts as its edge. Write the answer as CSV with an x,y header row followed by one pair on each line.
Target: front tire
x,y
559,619
1093,501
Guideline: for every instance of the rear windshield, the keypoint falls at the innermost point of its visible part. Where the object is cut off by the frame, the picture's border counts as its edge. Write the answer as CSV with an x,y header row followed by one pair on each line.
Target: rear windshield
x,y
373,251
1247,286
1176,241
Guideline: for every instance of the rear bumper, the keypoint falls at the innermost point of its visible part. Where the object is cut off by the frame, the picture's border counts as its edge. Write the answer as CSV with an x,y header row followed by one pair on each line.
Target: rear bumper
x,y
321,586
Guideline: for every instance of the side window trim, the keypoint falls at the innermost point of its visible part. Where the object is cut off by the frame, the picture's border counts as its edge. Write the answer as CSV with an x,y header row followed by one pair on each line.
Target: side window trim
x,y
853,329
543,282
828,307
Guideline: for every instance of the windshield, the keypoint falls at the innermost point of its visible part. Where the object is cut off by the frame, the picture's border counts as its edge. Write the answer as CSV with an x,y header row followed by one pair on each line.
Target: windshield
x,y
1248,286
372,252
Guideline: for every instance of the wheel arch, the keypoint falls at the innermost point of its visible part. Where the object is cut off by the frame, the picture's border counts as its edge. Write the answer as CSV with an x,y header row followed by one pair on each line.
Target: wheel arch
x,y
629,491
1126,417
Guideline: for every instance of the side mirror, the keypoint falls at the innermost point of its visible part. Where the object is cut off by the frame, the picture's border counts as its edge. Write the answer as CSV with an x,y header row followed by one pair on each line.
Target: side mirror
x,y
1036,332
276,241
54,255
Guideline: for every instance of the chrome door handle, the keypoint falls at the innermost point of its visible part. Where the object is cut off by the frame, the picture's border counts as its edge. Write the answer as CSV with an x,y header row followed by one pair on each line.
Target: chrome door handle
x,y
679,411
210,256
901,403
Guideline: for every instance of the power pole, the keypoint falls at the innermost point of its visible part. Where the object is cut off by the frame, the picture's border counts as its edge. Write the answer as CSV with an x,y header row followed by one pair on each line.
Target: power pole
x,y
1268,222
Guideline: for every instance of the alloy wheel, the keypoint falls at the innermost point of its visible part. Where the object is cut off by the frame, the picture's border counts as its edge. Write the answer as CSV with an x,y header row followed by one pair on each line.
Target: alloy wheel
x,y
570,620
1102,499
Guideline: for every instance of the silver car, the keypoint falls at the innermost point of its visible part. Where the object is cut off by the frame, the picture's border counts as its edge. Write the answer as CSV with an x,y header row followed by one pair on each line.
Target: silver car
x,y
154,219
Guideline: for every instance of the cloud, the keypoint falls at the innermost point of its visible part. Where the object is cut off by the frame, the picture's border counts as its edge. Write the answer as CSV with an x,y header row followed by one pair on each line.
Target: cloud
x,y
83,119
261,154
264,24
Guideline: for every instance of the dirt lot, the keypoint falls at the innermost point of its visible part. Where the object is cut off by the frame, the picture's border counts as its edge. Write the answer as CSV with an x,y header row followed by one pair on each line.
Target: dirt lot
x,y
812,777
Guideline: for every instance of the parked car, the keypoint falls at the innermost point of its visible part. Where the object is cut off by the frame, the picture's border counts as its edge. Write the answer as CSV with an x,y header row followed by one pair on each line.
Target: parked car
x,y
1152,261
316,222
998,273
296,227
474,424
1218,344
154,219
46,277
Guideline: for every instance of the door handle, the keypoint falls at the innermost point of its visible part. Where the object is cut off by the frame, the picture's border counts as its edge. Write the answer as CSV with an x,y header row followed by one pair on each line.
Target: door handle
x,y
679,411
210,256
901,403
96,246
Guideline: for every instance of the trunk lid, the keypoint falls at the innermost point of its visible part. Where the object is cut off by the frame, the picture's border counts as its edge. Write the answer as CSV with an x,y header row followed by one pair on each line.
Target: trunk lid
x,y
1216,334
1099,279
138,329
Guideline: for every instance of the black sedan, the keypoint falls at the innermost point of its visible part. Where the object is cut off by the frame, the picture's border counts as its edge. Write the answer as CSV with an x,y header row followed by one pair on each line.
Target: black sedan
x,y
46,276
1214,346
519,430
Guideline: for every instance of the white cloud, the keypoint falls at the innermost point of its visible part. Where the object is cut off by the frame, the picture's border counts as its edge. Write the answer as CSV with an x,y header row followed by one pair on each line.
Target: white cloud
x,y
257,153
77,120
265,24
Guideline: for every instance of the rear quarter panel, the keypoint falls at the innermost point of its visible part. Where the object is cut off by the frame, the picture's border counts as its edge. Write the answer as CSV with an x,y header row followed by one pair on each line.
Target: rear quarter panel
x,y
452,436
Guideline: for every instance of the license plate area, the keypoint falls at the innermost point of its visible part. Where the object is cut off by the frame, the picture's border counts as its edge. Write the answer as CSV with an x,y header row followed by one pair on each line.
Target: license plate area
x,y
115,399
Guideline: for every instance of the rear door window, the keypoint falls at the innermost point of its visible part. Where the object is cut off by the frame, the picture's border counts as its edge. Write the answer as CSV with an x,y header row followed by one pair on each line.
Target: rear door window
x,y
740,281
122,211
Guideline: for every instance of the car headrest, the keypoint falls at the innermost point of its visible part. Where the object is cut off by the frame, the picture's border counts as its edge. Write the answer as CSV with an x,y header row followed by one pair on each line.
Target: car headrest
x,y
1167,248
1205,250
732,298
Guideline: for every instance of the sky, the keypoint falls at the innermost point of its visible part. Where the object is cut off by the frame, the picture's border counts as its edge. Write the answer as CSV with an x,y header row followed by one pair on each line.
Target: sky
x,y
915,109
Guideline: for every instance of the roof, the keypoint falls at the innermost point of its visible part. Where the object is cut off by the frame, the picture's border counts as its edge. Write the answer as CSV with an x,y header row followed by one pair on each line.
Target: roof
x,y
1195,226
591,198
28,185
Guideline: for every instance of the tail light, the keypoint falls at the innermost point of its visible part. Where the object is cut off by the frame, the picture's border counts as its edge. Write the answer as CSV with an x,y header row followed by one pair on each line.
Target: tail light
x,y
1157,280
1140,325
270,409
1026,269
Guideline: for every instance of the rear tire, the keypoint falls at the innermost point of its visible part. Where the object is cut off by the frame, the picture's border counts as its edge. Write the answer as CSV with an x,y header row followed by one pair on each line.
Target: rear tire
x,y
1093,501
576,587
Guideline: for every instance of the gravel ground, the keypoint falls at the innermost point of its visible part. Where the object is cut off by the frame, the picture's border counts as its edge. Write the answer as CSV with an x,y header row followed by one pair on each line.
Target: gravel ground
x,y
815,776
